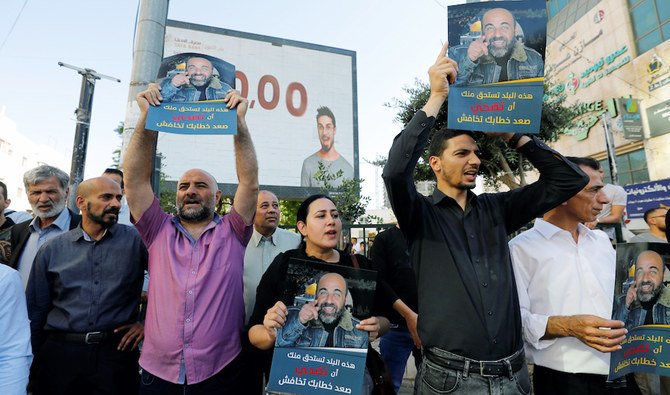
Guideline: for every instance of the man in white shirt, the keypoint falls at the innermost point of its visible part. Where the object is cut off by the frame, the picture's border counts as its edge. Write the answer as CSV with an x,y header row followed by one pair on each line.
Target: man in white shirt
x,y
613,210
266,243
15,351
124,213
565,279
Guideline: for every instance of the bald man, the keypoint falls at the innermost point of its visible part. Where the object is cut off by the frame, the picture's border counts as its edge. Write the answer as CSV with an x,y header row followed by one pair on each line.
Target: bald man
x,y
648,302
497,55
648,299
324,322
201,81
195,305
83,296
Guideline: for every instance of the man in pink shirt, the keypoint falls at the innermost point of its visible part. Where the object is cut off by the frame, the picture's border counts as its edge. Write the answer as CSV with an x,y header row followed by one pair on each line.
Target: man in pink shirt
x,y
195,306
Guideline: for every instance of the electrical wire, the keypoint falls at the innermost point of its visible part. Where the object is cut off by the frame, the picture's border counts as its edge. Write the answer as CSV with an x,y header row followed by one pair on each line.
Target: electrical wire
x,y
11,29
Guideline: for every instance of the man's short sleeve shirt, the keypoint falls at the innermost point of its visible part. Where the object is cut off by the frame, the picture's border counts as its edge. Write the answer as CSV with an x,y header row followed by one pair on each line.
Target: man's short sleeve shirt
x,y
196,305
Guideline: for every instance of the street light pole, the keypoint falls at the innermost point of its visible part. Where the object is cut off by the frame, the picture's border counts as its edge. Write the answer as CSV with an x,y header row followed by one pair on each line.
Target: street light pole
x,y
611,152
83,113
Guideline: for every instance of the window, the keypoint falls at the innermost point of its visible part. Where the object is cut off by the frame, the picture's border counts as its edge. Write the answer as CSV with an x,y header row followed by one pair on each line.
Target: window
x,y
631,168
554,6
651,22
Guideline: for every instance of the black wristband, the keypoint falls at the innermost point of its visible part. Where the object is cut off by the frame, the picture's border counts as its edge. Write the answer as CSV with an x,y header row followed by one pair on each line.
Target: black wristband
x,y
514,140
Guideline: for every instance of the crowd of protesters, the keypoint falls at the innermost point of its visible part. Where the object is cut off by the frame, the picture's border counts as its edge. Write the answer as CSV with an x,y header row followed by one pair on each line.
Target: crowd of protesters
x,y
474,309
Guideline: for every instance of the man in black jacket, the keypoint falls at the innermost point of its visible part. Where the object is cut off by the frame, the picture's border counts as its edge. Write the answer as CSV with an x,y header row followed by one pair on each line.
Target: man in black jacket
x,y
390,257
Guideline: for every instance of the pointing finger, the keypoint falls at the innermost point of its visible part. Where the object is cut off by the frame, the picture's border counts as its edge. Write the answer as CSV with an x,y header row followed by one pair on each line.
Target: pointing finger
x,y
443,51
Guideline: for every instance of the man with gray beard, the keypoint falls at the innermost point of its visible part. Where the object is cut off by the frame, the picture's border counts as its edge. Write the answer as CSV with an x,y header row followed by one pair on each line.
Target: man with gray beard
x,y
201,81
648,302
47,188
324,322
497,55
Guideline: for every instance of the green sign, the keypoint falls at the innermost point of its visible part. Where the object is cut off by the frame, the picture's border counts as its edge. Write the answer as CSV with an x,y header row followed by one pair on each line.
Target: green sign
x,y
659,119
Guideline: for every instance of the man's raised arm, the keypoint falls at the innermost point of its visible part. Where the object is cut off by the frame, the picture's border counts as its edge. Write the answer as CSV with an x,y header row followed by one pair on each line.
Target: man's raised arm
x,y
137,164
409,144
245,161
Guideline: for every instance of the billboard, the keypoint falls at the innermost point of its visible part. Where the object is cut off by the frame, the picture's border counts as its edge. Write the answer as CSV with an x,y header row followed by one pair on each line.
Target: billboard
x,y
286,82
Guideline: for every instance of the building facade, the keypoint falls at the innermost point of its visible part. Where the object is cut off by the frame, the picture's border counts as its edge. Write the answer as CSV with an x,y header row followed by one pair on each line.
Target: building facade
x,y
612,59
19,154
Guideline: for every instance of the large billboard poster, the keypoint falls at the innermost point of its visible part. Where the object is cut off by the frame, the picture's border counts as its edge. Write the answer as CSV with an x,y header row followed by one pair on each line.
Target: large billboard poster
x,y
287,84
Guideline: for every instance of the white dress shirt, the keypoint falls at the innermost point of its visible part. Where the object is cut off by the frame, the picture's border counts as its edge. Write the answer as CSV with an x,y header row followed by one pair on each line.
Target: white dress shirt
x,y
15,352
557,277
260,253
37,238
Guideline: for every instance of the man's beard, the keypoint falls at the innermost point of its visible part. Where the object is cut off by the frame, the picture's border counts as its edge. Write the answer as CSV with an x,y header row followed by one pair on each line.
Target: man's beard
x,y
194,214
329,318
464,187
499,52
100,219
646,297
57,208
327,147
200,83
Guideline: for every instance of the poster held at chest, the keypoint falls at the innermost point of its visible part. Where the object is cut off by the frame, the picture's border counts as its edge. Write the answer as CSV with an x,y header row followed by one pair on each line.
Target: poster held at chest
x,y
642,301
319,350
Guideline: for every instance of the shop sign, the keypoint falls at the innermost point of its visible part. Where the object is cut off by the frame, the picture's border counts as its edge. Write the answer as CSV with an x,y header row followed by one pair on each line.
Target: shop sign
x,y
588,115
659,72
645,196
659,119
631,118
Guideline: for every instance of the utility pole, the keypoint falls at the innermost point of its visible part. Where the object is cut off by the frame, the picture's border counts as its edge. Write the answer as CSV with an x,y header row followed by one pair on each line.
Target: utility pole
x,y
83,113
609,141
147,57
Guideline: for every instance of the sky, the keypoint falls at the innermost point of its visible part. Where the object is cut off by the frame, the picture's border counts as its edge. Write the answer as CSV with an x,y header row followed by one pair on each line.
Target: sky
x,y
395,43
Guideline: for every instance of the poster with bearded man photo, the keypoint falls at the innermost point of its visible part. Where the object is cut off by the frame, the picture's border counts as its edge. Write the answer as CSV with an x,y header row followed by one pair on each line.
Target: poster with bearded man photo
x,y
499,48
320,349
642,302
194,88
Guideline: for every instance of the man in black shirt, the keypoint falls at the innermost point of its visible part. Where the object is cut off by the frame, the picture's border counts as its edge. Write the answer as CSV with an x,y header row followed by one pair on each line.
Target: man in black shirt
x,y
390,258
469,319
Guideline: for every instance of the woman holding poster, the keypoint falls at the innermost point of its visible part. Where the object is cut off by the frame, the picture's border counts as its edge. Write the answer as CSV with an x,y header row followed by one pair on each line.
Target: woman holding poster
x,y
320,225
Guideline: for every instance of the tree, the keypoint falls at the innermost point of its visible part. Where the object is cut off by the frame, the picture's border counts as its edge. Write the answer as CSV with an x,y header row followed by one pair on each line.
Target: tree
x,y
289,211
347,197
500,164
